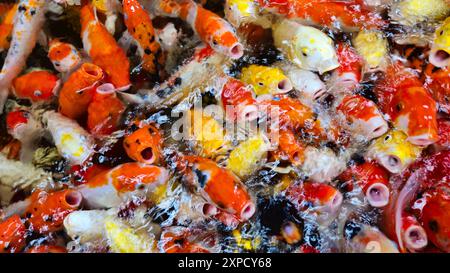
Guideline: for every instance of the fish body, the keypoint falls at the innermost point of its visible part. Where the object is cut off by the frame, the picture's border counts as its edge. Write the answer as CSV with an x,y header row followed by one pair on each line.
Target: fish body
x,y
12,234
6,27
373,47
140,26
438,85
347,15
411,12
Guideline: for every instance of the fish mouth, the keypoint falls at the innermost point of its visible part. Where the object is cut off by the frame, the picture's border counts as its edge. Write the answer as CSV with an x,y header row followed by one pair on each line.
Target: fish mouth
x,y
148,155
391,162
106,88
415,237
378,195
73,199
209,210
284,86
236,51
440,57
247,211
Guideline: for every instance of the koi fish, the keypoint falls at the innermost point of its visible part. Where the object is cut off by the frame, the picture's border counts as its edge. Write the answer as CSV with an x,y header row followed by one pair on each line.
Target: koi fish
x,y
435,219
12,235
316,199
362,117
207,134
348,15
27,24
248,155
349,72
266,80
238,100
104,111
372,46
371,240
411,12
305,46
104,50
239,12
110,8
38,85
306,82
211,29
79,89
409,106
64,56
73,142
6,27
372,179
217,185
110,188
140,26
440,49
290,148
180,240
144,145
393,151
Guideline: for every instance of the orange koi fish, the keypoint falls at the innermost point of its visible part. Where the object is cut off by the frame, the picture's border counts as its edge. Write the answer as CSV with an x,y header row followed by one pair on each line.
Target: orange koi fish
x,y
241,98
350,15
78,91
64,56
140,27
212,29
109,188
319,199
104,50
6,26
410,107
372,179
362,117
144,145
38,85
290,148
104,111
438,84
12,235
46,211
217,185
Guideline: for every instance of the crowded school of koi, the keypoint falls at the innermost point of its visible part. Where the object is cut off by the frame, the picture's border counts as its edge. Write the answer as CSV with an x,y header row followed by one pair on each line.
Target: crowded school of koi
x,y
357,159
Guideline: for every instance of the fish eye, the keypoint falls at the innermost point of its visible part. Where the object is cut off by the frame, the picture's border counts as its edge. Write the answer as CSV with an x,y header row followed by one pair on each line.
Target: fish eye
x,y
387,138
399,107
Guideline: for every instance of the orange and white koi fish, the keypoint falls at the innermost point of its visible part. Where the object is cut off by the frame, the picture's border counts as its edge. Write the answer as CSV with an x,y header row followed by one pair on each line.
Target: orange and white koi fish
x,y
362,117
104,50
319,200
217,185
78,91
111,188
6,26
64,56
371,240
212,29
104,111
372,179
408,104
348,15
239,97
38,85
72,141
12,235
27,24
144,145
140,27
290,148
